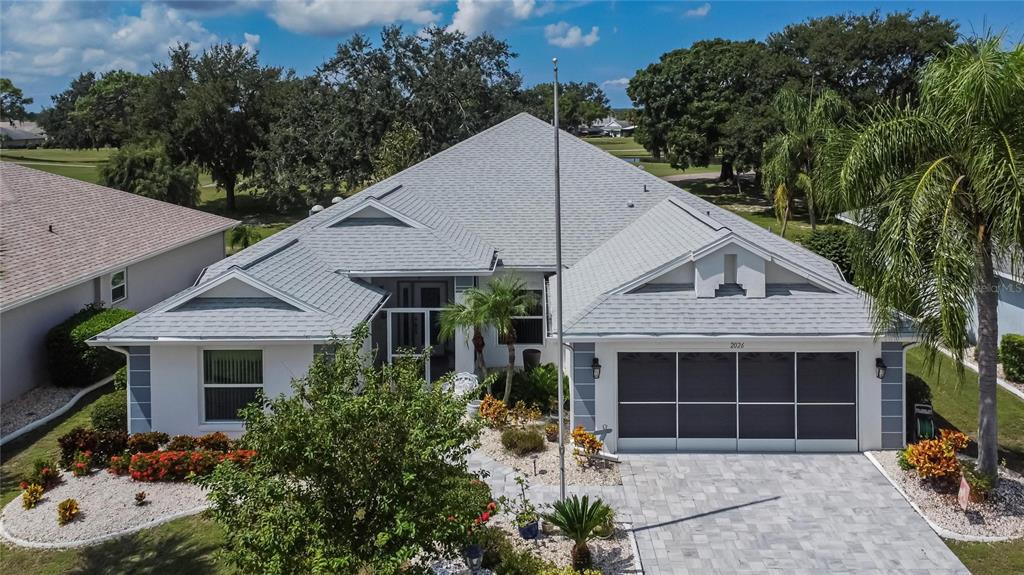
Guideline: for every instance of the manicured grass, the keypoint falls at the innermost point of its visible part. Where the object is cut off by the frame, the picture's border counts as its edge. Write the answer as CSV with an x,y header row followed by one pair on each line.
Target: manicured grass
x,y
628,148
990,558
89,174
185,546
956,401
59,155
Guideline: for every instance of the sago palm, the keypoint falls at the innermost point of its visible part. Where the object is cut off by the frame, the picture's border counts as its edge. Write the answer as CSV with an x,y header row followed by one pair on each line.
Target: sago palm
x,y
789,156
940,192
578,519
496,305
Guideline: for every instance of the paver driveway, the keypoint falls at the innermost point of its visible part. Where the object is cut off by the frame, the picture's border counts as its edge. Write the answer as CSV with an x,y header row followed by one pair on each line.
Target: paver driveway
x,y
756,513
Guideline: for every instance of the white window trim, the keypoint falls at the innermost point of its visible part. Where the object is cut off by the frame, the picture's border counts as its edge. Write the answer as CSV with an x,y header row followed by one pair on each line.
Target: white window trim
x,y
124,283
203,385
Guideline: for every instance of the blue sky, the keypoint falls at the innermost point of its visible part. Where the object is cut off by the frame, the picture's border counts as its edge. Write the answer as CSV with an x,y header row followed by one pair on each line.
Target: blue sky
x,y
45,43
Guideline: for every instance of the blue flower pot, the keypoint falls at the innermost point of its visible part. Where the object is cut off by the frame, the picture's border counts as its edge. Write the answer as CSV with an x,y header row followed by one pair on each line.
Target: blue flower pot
x,y
529,531
474,556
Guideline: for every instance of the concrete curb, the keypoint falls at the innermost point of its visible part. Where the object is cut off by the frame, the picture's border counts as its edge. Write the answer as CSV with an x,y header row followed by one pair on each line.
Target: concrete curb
x,y
941,531
100,538
59,412
638,565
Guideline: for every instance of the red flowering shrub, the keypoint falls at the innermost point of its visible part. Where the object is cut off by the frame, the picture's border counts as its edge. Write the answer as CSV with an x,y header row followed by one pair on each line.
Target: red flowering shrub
x,y
44,474
119,464
178,465
82,464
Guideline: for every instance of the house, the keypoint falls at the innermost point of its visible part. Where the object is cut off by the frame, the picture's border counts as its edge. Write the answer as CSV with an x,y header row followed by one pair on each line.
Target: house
x,y
67,243
687,327
1010,310
21,134
614,128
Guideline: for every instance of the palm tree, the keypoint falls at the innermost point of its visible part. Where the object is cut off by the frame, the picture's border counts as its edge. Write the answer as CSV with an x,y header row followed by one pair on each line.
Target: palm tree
x,y
496,305
243,236
578,519
789,156
940,189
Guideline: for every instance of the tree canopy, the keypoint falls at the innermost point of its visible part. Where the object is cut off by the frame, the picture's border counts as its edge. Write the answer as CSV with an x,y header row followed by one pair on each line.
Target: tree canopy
x,y
579,103
147,170
12,101
63,127
107,112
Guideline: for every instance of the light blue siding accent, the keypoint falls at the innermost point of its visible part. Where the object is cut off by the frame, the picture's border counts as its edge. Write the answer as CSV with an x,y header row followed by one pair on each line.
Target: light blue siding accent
x,y
584,387
141,411
891,392
892,425
892,408
139,379
139,395
892,440
893,412
139,392
138,362
140,425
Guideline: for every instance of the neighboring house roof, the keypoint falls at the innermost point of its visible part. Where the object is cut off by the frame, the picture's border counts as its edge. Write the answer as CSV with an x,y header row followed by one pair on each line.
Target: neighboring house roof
x,y
57,232
487,201
17,134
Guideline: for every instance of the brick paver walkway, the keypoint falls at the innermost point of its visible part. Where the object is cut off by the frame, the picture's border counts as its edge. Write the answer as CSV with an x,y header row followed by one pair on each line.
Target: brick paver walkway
x,y
757,513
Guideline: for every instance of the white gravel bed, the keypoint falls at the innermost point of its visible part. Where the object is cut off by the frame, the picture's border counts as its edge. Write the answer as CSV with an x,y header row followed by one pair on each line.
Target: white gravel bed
x,y
34,404
107,504
598,473
1001,516
612,556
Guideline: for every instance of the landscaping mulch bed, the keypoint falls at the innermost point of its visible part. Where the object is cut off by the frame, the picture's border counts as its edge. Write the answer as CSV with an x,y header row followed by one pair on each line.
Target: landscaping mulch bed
x,y
597,473
612,556
107,504
33,405
1001,516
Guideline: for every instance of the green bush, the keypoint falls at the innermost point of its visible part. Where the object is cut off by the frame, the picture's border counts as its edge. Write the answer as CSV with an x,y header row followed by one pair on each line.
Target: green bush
x,y
72,363
147,442
1011,353
110,412
834,244
102,444
522,441
537,386
503,557
121,378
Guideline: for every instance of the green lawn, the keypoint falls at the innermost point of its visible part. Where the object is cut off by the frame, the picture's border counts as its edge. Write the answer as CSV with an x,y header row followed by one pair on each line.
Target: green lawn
x,y
66,156
628,148
990,558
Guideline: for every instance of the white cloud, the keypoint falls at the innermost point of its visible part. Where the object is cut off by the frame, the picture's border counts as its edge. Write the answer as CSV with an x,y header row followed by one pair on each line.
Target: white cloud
x,y
56,38
698,12
252,41
473,17
565,36
326,17
618,82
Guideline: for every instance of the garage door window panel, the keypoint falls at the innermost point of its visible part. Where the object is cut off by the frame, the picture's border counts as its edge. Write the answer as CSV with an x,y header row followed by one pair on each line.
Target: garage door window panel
x,y
766,378
827,377
827,421
764,421
647,420
647,377
707,421
707,377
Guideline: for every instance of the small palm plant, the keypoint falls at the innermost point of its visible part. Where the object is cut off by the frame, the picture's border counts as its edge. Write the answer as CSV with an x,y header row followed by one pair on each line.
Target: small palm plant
x,y
579,520
243,236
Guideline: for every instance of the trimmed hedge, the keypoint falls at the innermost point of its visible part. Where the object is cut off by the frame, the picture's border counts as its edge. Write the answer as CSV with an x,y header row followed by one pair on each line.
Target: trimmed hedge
x,y
1011,353
110,413
72,362
834,244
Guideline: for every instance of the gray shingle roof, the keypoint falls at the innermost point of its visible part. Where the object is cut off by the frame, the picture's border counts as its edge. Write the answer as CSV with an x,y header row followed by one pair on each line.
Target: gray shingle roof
x,y
675,310
94,230
494,193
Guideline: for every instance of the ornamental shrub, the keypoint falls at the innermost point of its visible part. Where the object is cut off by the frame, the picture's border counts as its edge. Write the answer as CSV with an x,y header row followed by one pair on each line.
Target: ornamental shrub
x,y
73,363
494,412
32,495
110,412
67,511
935,459
102,445
587,445
551,431
181,443
121,378
146,442
215,441
119,464
1011,353
45,474
522,441
82,464
358,470
179,465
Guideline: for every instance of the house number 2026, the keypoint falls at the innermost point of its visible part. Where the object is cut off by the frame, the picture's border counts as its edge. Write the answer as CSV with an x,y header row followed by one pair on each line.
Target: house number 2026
x,y
735,345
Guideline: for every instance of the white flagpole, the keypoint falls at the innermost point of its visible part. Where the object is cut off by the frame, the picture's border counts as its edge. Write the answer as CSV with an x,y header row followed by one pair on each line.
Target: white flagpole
x,y
558,297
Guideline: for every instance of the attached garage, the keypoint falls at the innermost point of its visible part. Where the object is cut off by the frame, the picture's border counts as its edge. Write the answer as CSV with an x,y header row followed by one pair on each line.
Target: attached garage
x,y
745,401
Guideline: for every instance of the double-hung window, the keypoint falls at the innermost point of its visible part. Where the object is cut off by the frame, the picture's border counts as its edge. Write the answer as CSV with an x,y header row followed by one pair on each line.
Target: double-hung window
x,y
231,380
530,328
118,286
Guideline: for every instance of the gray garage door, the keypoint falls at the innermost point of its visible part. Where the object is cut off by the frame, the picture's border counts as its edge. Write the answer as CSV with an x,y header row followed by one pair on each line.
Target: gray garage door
x,y
768,401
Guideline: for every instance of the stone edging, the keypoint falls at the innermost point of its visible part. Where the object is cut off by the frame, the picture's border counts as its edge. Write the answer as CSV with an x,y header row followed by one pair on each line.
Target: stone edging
x,y
56,413
638,565
98,539
941,531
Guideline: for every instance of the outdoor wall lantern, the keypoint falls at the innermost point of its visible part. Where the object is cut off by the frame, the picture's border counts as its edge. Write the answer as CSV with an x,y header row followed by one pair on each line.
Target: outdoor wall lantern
x,y
596,366
880,368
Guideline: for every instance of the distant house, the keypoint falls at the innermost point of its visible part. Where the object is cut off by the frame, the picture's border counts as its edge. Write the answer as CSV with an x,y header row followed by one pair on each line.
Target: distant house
x,y
612,127
19,134
66,243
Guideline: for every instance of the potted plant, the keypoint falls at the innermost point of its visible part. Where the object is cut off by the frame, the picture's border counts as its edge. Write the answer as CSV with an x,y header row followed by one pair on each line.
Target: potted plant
x,y
473,553
527,518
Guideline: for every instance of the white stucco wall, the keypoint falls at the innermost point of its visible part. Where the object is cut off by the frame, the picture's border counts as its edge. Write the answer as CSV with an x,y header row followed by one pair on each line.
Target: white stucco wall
x,y
869,416
177,404
23,329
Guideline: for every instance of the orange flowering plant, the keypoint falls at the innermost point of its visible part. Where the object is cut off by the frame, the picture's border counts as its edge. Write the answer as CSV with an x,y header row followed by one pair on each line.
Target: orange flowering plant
x,y
936,458
587,445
